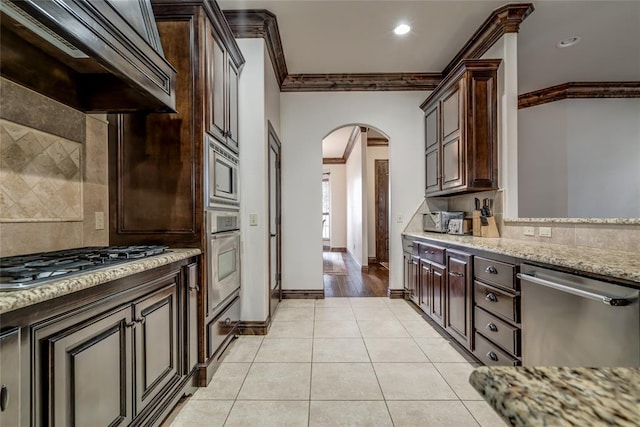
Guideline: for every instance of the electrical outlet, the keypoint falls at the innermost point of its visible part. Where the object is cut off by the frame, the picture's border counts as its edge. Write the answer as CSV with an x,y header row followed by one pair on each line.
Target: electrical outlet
x,y
529,231
253,219
99,220
544,231
399,219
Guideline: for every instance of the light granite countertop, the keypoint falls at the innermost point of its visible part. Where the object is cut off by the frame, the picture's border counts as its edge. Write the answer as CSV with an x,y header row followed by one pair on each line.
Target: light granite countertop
x,y
554,396
603,262
13,300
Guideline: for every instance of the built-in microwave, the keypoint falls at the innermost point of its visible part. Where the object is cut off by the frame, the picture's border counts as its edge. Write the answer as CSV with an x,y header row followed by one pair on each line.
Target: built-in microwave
x,y
222,171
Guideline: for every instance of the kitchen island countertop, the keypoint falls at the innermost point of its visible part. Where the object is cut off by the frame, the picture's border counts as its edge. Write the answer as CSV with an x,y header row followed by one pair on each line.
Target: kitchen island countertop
x,y
13,300
601,262
557,396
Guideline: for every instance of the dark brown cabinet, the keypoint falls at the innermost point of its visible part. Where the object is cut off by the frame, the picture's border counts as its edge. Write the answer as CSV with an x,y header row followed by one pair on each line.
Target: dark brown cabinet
x,y
426,287
461,151
10,390
459,298
438,305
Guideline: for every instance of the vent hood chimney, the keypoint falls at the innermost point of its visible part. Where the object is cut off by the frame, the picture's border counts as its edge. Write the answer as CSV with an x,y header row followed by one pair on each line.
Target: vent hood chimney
x,y
97,56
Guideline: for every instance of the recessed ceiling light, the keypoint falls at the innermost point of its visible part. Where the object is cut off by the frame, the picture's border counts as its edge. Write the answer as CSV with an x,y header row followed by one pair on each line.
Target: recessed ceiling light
x,y
569,41
402,29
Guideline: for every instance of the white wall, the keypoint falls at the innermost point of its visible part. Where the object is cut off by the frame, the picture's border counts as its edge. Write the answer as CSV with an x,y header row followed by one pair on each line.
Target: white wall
x,y
356,201
338,207
583,155
373,154
307,118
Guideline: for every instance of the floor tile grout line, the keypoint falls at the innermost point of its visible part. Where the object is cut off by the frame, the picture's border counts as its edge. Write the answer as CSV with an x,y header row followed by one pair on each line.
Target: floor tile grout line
x,y
472,415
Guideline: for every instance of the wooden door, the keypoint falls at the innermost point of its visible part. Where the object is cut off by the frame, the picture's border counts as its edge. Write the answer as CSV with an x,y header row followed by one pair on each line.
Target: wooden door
x,y
216,94
275,230
156,343
453,160
426,286
232,106
458,299
432,150
89,363
415,280
192,290
407,272
439,288
382,210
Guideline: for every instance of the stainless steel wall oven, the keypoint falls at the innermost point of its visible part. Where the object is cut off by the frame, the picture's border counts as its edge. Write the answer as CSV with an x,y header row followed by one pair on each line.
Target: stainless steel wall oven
x,y
222,173
224,256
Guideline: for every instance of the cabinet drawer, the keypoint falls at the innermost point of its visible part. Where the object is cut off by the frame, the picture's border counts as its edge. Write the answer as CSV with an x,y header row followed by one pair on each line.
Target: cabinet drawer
x,y
432,253
410,246
498,331
491,355
222,326
497,302
494,272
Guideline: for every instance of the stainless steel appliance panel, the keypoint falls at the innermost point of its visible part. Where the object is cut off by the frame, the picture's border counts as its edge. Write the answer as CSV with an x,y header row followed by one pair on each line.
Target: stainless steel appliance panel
x,y
222,172
569,320
224,271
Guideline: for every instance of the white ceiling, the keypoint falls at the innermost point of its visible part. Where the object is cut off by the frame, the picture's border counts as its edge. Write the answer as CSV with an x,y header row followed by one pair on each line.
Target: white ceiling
x,y
346,36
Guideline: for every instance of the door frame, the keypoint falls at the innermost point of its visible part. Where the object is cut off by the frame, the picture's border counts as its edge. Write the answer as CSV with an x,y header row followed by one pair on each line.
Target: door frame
x,y
274,145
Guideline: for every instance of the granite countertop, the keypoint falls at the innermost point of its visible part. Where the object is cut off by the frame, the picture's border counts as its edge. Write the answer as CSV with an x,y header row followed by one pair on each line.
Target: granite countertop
x,y
553,396
603,262
13,300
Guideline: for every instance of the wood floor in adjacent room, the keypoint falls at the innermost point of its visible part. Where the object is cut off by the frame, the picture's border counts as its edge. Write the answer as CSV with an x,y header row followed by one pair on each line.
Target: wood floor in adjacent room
x,y
343,277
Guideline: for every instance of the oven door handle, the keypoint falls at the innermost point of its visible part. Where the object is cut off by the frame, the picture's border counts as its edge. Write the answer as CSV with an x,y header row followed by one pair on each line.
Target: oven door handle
x,y
225,234
613,301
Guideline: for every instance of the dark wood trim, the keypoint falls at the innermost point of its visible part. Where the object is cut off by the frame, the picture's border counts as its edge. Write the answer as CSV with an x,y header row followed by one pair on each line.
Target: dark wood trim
x,y
381,214
303,294
360,82
352,142
377,142
339,250
364,268
260,23
373,260
254,328
506,19
333,161
577,90
395,293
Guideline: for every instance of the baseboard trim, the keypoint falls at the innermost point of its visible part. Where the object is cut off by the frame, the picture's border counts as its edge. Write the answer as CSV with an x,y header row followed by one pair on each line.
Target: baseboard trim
x,y
254,328
373,260
395,293
302,294
364,268
338,249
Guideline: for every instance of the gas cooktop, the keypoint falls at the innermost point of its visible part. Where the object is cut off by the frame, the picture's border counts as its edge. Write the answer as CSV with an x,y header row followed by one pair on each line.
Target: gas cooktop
x,y
26,271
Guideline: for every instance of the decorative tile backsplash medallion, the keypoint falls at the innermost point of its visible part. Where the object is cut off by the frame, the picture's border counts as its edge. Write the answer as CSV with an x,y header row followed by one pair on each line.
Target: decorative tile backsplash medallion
x,y
40,176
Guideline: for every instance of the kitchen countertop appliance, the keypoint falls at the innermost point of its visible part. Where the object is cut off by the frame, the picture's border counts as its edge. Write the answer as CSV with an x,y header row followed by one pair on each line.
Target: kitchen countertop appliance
x,y
28,271
570,320
439,221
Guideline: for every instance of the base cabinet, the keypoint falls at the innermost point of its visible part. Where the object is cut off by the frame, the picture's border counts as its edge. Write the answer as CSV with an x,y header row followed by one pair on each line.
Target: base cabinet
x,y
10,398
459,298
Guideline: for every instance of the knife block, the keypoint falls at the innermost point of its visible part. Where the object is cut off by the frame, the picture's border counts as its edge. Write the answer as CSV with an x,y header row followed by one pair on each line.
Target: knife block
x,y
480,230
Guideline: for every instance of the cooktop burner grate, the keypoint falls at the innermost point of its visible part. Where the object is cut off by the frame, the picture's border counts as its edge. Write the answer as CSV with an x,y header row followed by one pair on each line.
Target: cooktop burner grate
x,y
25,271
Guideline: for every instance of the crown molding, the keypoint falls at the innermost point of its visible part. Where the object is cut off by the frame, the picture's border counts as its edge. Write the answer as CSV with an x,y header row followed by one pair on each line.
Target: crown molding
x,y
506,19
577,90
260,23
360,82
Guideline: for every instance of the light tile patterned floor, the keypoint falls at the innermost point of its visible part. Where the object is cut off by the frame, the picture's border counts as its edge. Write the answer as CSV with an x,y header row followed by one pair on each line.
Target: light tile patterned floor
x,y
341,362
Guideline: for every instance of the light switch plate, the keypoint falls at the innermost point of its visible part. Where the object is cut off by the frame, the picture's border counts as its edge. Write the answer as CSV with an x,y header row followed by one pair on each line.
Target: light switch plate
x,y
399,219
99,220
544,231
253,219
529,231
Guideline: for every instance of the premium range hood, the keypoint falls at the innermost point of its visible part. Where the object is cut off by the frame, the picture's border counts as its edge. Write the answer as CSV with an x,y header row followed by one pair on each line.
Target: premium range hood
x,y
98,56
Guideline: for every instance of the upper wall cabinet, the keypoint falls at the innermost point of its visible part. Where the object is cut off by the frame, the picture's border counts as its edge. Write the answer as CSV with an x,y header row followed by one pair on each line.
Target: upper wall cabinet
x,y
93,55
461,147
222,90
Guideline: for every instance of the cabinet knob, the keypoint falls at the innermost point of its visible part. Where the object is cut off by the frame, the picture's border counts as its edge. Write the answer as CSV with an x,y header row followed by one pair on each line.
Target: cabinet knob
x,y
491,270
4,398
491,355
194,288
455,274
493,328
140,320
491,297
227,321
130,324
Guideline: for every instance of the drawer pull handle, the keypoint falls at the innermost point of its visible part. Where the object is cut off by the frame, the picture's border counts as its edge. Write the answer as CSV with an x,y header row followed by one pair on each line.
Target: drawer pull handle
x,y
491,297
140,320
491,270
409,246
194,288
493,328
129,324
455,274
227,321
491,355
432,252
4,398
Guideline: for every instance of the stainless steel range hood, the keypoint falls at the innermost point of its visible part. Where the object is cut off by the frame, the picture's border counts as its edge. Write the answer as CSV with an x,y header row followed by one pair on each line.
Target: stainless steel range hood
x,y
93,55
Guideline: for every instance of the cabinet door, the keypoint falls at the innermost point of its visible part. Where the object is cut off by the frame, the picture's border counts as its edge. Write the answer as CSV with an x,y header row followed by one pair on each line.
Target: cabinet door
x,y
216,91
426,286
432,149
453,160
458,299
156,342
415,280
191,335
10,377
232,135
89,363
437,305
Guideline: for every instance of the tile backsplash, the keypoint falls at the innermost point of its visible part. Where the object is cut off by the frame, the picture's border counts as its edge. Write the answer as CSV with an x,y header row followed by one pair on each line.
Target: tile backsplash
x,y
53,174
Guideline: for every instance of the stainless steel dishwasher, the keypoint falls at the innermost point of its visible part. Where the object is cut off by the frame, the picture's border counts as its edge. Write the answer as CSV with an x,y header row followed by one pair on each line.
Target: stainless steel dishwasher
x,y
569,320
